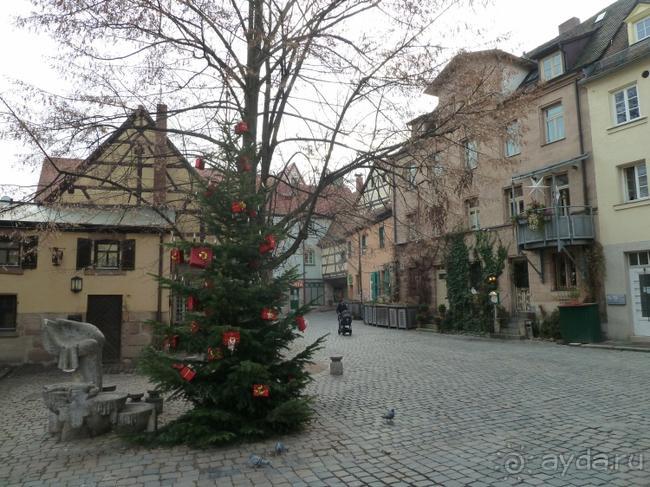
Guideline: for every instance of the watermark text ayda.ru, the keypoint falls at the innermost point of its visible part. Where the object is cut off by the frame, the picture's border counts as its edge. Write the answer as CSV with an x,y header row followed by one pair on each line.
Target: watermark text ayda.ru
x,y
516,463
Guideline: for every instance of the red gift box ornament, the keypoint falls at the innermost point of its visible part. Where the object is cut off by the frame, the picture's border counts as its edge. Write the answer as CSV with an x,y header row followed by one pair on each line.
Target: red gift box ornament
x,y
269,314
241,128
238,207
194,327
200,257
261,390
187,373
214,353
192,303
301,322
231,339
268,245
199,163
176,256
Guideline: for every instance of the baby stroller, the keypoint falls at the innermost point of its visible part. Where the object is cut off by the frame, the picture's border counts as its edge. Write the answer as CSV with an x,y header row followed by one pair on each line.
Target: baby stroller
x,y
345,322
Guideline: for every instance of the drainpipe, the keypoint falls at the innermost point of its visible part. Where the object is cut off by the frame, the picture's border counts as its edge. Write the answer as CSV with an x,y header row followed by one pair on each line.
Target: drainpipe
x,y
160,275
585,189
304,276
360,270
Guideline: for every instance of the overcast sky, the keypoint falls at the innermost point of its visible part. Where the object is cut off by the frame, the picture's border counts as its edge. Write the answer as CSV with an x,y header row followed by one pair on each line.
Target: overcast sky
x,y
524,24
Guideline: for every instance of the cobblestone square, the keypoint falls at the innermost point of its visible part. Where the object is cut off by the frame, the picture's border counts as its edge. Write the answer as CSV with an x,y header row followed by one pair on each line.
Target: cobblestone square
x,y
469,411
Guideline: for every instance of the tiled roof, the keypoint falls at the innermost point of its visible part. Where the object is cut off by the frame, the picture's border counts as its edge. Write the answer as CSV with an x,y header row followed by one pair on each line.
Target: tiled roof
x,y
600,34
630,54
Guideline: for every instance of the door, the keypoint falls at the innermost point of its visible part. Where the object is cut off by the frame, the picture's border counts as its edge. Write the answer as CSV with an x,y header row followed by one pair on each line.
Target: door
x,y
105,312
521,285
640,285
441,288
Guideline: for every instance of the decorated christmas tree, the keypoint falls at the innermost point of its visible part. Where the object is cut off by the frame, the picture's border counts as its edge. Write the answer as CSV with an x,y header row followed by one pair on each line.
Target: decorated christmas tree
x,y
232,358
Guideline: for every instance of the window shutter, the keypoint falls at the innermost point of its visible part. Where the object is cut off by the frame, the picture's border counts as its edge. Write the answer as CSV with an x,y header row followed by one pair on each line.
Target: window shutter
x,y
84,250
30,253
128,255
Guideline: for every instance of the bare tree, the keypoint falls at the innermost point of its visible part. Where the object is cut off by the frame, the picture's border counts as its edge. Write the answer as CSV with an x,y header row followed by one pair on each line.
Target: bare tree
x,y
318,82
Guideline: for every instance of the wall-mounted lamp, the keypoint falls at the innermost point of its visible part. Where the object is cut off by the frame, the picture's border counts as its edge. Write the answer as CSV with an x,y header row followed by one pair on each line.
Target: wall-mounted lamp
x,y
76,284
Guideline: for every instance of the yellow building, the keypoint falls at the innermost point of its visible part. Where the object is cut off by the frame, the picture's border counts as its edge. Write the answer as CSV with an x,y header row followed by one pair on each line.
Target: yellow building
x,y
619,96
90,248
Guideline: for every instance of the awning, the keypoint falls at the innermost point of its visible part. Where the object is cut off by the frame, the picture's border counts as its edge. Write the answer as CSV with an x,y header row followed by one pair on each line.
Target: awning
x,y
550,168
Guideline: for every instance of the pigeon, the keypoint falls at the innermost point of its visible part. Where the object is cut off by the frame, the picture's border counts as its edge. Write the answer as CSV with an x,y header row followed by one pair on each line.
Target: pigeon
x,y
257,461
390,414
280,448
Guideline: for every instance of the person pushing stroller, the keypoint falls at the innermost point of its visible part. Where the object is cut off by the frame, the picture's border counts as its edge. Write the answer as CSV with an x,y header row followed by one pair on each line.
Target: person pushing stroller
x,y
345,318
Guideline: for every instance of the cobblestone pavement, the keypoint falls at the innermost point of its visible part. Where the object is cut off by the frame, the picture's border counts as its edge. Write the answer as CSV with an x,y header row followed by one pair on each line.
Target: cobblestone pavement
x,y
469,412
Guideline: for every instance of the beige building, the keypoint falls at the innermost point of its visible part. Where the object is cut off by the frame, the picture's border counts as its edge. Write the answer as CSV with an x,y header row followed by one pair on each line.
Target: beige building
x,y
618,89
90,248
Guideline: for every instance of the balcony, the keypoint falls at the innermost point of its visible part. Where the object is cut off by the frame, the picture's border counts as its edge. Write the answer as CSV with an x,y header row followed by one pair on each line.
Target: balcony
x,y
568,225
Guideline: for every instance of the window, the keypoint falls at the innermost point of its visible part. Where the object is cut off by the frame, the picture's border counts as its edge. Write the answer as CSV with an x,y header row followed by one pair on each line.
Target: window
x,y
9,253
179,308
626,105
106,254
382,237
411,175
349,248
516,204
309,256
20,253
470,150
512,139
639,258
554,123
565,272
8,312
601,16
552,66
364,244
642,29
636,182
560,192
473,214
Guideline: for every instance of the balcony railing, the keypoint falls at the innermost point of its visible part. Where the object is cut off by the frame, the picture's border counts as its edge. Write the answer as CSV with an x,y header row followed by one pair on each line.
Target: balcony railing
x,y
570,225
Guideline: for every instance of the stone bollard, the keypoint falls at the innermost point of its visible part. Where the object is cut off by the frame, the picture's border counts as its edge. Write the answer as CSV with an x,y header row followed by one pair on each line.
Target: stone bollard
x,y
336,366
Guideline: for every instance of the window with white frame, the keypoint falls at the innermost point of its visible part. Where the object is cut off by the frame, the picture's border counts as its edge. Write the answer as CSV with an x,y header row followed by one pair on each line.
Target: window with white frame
x,y
639,258
473,214
9,253
516,204
566,277
636,182
411,175
554,123
626,105
364,244
470,150
309,256
512,139
642,29
552,66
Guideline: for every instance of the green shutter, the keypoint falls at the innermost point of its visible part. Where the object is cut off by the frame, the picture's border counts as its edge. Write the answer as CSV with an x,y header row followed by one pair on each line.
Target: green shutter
x,y
30,253
84,250
128,255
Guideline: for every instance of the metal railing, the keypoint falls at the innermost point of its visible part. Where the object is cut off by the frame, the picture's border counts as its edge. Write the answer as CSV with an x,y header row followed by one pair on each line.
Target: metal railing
x,y
565,224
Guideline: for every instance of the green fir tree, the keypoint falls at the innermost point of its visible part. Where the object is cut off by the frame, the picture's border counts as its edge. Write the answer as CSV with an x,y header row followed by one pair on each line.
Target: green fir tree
x,y
232,358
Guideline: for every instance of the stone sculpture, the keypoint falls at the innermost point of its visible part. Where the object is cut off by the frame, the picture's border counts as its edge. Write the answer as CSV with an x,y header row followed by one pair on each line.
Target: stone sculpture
x,y
85,409
77,345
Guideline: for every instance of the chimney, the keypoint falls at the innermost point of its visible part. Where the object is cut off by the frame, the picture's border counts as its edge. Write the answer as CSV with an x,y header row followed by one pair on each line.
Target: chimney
x,y
160,157
359,182
572,23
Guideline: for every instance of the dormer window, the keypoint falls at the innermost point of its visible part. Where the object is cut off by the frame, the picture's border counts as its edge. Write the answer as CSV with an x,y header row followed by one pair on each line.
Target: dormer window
x,y
642,29
601,16
552,66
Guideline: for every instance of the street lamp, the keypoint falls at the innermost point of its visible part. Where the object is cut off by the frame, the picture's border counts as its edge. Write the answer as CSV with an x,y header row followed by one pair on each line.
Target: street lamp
x,y
76,284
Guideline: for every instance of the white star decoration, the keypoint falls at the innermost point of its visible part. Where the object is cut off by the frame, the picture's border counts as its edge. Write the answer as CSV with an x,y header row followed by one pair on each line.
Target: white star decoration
x,y
537,185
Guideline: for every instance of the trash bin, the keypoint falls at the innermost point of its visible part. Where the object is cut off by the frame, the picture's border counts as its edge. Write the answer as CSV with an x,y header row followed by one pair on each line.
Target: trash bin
x,y
580,323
